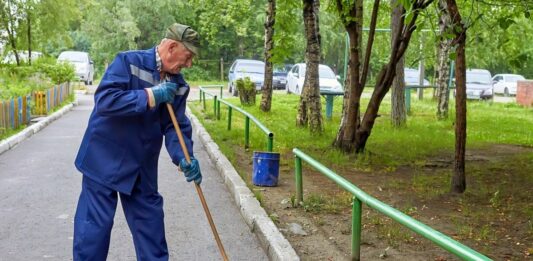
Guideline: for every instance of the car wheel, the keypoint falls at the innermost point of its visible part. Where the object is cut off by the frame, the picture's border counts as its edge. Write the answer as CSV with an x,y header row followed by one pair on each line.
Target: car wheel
x,y
297,90
506,92
86,82
234,91
287,89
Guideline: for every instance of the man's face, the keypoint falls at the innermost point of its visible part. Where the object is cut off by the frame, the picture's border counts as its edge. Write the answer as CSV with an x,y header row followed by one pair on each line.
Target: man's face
x,y
176,58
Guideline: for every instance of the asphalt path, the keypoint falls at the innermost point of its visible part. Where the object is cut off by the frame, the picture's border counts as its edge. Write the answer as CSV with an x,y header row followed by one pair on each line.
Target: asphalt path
x,y
39,189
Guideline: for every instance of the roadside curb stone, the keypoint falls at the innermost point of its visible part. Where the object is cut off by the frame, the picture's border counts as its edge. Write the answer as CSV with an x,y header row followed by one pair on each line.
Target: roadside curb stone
x,y
275,244
26,133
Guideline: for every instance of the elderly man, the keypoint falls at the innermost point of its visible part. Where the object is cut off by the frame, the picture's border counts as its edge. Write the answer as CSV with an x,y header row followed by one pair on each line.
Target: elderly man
x,y
120,149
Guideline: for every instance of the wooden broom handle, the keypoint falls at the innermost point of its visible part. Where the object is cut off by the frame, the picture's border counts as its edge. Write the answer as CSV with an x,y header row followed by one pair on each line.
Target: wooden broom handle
x,y
198,188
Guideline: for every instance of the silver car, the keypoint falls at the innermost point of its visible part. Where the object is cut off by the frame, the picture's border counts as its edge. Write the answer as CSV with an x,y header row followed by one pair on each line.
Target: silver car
x,y
83,65
243,68
479,84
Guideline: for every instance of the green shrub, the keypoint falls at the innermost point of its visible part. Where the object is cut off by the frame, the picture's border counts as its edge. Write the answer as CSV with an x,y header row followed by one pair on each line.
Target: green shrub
x,y
196,73
58,72
246,90
44,73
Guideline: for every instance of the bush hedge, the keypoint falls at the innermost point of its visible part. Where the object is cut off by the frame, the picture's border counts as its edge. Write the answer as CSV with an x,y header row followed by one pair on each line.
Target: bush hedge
x,y
45,72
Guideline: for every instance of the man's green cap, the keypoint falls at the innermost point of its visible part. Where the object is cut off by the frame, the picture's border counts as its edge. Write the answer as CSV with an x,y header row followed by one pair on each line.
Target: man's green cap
x,y
184,34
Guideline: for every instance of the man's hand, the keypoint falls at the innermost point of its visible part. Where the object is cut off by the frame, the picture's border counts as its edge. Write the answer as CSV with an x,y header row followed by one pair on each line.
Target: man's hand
x,y
192,170
161,93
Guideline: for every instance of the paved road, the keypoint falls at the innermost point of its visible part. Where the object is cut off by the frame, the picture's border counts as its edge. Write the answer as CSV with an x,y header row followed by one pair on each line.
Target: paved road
x,y
39,188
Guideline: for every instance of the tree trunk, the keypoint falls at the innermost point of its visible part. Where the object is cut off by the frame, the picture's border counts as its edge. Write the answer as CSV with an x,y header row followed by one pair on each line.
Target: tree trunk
x,y
266,99
310,108
458,178
398,111
443,75
363,128
10,27
28,19
351,117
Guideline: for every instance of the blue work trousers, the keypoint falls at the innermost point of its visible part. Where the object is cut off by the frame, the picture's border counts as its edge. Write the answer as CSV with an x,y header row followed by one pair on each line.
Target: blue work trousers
x,y
94,219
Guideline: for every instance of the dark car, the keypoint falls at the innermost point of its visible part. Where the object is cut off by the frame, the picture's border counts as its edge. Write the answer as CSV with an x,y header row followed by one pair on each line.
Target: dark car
x,y
279,80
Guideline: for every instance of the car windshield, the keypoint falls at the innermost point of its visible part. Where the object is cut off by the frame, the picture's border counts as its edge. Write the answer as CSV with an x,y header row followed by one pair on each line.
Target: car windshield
x,y
411,75
251,68
324,72
478,77
73,57
515,78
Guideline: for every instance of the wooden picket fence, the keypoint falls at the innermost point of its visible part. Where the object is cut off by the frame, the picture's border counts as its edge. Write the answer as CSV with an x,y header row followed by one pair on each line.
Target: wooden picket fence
x,y
19,111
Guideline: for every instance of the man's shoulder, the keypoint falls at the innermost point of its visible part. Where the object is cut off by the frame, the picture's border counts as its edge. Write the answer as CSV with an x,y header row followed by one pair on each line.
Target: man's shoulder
x,y
139,57
139,54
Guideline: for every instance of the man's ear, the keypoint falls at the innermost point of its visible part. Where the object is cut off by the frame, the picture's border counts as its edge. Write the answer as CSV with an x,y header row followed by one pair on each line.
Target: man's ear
x,y
171,46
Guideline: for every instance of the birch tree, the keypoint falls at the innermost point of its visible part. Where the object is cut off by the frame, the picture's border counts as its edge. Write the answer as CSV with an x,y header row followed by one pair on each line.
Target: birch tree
x,y
310,108
266,99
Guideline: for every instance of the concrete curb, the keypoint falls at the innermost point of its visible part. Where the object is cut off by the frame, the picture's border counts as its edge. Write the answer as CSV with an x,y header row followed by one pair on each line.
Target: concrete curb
x,y
14,140
274,243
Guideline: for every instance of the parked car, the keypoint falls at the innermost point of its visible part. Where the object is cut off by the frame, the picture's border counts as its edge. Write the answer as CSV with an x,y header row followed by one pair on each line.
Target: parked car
x,y
479,84
279,78
412,77
23,57
242,68
327,79
506,83
83,64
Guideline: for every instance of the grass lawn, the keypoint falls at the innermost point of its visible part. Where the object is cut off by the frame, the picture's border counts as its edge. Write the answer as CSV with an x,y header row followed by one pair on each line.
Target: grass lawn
x,y
408,168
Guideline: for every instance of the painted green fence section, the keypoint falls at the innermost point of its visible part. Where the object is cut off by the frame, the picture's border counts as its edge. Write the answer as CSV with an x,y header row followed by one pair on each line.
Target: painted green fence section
x,y
359,197
247,115
18,111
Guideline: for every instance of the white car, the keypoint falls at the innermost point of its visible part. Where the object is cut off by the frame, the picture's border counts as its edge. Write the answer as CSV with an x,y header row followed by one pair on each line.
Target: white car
x,y
327,79
83,65
23,57
506,83
412,77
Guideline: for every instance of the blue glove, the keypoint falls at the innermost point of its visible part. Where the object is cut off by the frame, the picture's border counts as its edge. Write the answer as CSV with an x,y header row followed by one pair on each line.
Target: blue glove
x,y
192,170
164,92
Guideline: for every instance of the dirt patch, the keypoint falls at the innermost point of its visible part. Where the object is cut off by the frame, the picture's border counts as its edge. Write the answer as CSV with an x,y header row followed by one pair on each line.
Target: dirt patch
x,y
494,216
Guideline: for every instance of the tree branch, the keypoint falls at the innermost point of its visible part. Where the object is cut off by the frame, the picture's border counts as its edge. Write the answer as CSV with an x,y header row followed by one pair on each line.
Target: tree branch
x,y
371,33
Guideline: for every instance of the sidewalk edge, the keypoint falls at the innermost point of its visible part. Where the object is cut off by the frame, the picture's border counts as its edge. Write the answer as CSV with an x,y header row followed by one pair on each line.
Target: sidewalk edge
x,y
271,239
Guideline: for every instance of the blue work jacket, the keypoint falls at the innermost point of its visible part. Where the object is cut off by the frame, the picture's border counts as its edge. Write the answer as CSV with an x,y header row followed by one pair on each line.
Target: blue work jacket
x,y
124,136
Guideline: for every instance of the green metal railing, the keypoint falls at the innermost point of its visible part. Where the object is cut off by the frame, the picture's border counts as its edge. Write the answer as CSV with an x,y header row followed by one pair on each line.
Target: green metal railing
x,y
248,117
204,87
359,197
203,92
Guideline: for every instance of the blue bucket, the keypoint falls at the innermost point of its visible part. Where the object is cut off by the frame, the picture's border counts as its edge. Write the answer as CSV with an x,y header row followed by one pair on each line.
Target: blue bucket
x,y
266,169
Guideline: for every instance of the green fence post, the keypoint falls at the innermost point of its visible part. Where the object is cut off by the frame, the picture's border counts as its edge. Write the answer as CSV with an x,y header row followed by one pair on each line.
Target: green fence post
x,y
229,117
218,110
356,229
407,99
270,142
221,91
200,93
298,175
247,132
203,96
215,106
